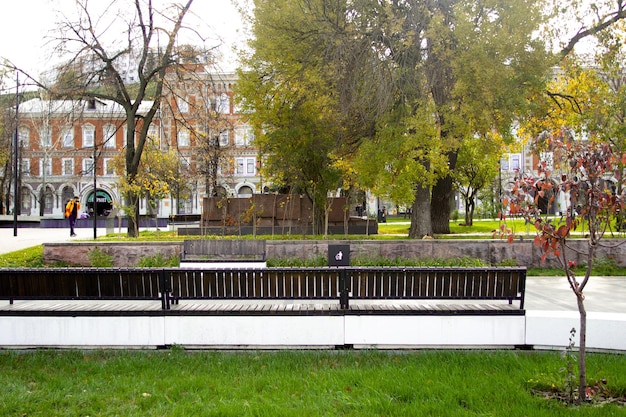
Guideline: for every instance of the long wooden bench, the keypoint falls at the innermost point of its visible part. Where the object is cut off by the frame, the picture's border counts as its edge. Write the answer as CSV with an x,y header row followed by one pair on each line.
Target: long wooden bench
x,y
329,290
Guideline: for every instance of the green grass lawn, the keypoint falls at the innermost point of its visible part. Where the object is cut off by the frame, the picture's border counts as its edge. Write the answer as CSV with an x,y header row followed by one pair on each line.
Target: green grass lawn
x,y
295,383
480,229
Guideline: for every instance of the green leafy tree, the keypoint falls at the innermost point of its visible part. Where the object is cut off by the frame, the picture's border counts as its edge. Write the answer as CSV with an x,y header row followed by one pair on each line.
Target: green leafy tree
x,y
477,167
159,174
470,67
286,90
372,70
407,178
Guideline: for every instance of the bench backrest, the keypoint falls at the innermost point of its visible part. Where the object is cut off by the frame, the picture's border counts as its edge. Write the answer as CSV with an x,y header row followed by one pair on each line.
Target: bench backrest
x,y
270,283
82,283
438,283
352,283
226,249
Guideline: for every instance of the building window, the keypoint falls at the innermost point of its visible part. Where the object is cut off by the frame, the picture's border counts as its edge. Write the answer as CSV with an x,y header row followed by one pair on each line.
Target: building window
x,y
87,166
26,200
67,138
183,138
91,104
48,200
68,166
245,166
89,136
67,194
222,104
108,136
45,137
516,162
224,139
153,132
243,136
109,167
183,106
239,164
25,167
45,167
245,191
23,136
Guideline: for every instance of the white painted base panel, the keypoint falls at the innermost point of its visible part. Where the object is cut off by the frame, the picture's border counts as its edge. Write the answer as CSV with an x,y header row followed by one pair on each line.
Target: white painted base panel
x,y
552,329
606,331
81,331
427,330
240,331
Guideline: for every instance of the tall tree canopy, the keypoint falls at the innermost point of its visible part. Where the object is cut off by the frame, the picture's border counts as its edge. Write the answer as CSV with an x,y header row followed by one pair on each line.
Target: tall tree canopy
x,y
292,97
420,73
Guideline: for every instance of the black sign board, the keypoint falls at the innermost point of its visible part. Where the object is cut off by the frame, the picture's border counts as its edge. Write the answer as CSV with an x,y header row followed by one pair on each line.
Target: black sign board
x,y
338,255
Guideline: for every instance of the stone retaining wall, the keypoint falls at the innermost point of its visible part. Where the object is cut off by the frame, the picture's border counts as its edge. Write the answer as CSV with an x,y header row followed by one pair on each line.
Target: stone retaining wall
x,y
523,253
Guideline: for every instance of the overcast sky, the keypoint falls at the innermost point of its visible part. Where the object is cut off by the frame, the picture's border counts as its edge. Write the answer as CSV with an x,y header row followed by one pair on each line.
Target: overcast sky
x,y
24,25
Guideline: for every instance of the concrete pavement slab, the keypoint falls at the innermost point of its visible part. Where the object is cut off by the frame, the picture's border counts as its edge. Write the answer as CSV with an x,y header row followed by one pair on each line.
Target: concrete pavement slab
x,y
602,294
28,237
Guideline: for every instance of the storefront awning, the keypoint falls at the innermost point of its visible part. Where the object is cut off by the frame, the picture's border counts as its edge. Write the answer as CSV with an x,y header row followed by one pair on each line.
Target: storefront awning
x,y
101,197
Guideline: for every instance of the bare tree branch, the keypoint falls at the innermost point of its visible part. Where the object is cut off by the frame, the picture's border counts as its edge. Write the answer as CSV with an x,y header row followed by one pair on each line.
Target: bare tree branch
x,y
611,19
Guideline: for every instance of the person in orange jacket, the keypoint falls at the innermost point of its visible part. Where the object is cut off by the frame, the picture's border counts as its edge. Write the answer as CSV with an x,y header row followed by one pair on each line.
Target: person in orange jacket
x,y
71,213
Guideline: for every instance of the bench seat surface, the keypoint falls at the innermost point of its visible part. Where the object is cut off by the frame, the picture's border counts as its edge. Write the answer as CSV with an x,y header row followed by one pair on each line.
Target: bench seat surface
x,y
201,307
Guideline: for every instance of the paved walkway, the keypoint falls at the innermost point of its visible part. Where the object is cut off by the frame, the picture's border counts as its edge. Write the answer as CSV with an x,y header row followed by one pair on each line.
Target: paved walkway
x,y
602,294
27,237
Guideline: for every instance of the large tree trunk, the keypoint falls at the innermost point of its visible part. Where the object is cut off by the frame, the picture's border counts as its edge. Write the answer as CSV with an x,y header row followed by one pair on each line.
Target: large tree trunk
x,y
421,216
440,205
443,193
41,201
469,211
133,217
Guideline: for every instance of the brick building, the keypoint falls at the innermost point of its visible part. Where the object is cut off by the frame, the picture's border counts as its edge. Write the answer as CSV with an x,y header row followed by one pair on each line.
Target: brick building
x,y
60,140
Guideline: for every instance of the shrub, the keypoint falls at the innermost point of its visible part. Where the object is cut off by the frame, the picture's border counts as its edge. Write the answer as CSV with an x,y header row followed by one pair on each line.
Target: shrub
x,y
158,261
379,261
99,258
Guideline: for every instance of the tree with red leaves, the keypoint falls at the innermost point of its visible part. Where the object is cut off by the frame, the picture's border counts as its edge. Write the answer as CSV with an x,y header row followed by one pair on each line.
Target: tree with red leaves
x,y
586,177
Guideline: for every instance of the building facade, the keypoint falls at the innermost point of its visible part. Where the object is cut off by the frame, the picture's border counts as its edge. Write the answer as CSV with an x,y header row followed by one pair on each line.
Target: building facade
x,y
68,148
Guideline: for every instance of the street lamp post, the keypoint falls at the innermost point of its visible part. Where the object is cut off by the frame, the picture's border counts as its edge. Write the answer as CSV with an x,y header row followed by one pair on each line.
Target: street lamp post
x,y
94,166
95,194
16,155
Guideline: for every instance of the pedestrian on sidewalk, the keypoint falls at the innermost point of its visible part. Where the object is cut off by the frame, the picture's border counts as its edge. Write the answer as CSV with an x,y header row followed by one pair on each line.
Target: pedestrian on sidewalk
x,y
71,213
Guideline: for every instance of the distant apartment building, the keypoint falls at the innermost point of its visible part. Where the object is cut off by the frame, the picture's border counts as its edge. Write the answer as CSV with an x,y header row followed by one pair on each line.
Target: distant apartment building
x,y
65,145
